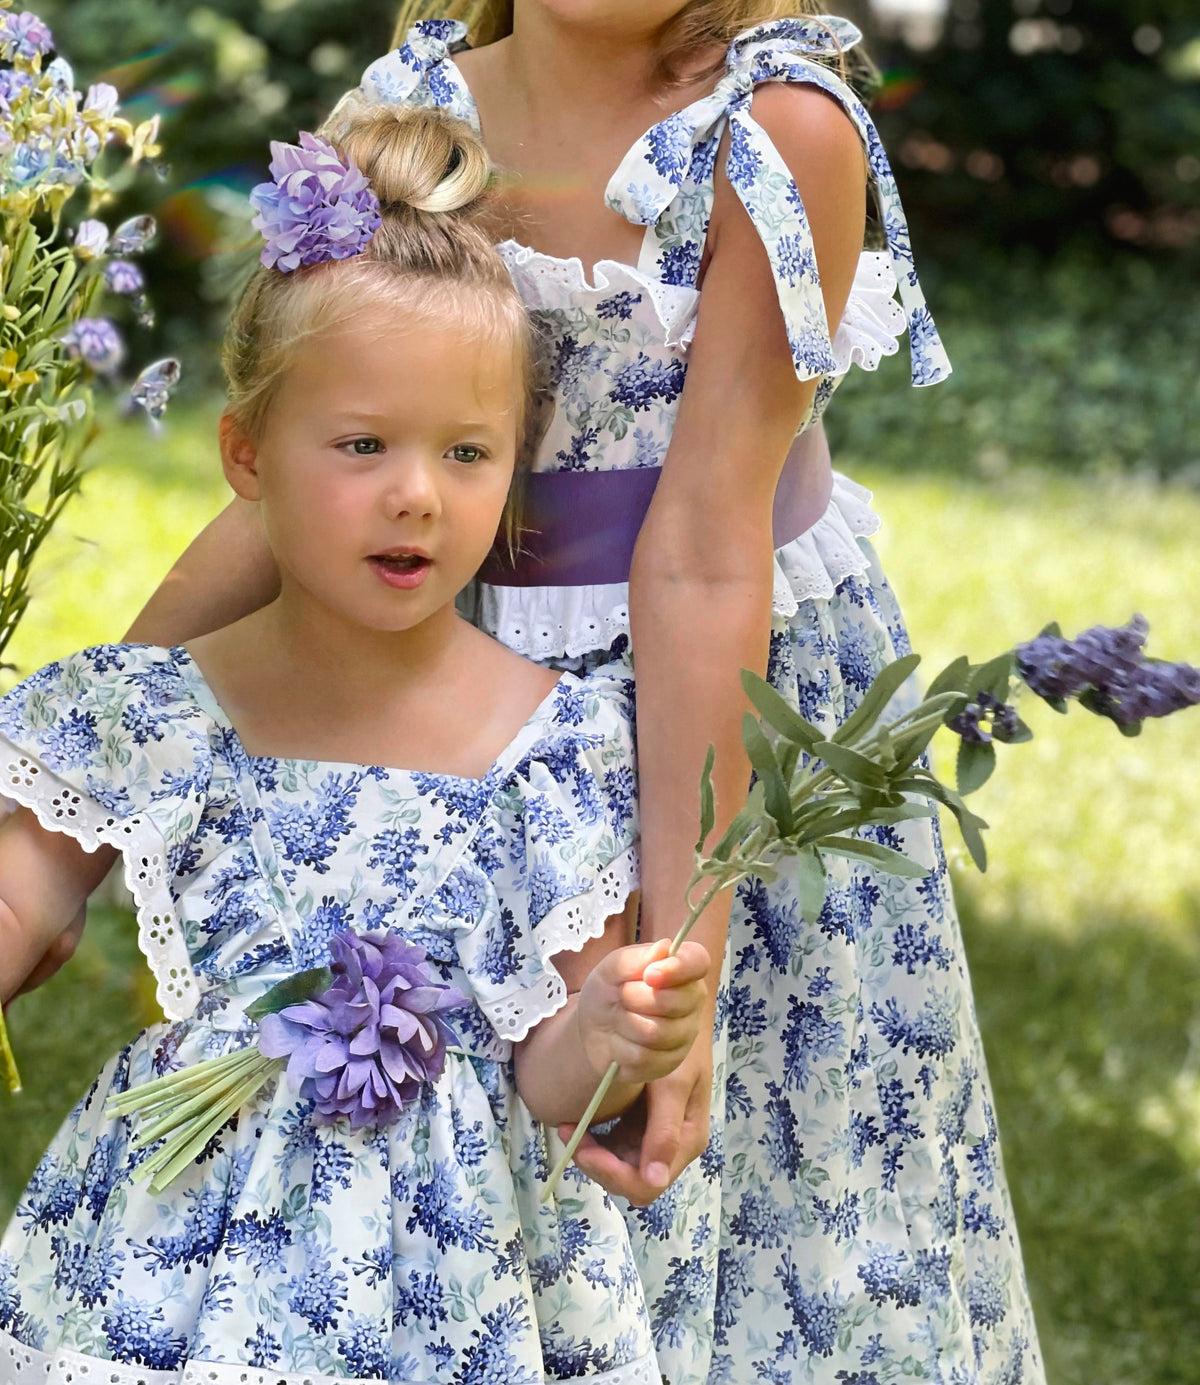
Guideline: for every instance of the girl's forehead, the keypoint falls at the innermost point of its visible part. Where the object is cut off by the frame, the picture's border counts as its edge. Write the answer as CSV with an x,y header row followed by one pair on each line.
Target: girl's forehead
x,y
390,369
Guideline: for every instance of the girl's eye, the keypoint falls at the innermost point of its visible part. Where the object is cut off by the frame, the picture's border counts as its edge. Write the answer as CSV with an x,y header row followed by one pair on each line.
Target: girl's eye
x,y
466,452
365,447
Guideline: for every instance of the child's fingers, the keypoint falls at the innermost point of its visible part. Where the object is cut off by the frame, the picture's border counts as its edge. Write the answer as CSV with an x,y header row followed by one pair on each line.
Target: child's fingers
x,y
669,1001
628,963
690,963
655,1033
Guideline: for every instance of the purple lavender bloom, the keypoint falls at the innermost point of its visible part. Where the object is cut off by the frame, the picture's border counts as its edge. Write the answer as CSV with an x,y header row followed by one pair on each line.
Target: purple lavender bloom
x,y
1153,690
96,342
364,1048
122,276
24,35
1057,668
12,84
1001,717
317,208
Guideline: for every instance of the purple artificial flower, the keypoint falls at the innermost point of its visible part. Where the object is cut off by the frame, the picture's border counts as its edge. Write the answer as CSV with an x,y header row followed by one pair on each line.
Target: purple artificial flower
x,y
317,208
24,35
96,342
365,1047
122,276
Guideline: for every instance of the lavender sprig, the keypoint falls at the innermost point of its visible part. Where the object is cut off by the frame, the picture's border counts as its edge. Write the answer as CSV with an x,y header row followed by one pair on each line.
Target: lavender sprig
x,y
811,794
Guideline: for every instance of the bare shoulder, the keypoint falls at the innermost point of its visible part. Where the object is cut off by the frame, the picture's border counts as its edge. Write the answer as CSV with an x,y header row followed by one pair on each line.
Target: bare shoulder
x,y
511,677
810,128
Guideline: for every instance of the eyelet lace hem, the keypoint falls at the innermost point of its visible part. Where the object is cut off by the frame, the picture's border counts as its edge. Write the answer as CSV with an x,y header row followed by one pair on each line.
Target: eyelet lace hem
x,y
568,622
22,1365
565,928
61,808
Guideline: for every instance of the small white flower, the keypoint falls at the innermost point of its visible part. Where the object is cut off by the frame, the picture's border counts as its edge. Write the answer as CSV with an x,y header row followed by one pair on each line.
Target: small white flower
x,y
101,100
60,75
91,239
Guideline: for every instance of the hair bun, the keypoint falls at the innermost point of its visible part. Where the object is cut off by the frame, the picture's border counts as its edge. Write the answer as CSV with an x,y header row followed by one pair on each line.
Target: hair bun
x,y
414,157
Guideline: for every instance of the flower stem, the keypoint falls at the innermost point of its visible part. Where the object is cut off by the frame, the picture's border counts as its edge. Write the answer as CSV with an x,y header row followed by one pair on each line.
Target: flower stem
x,y
8,1063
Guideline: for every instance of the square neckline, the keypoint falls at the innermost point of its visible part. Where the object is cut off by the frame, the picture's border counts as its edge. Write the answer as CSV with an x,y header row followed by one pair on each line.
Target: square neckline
x,y
207,700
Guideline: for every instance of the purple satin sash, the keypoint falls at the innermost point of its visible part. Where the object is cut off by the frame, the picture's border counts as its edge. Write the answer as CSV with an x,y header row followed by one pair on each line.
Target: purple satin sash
x,y
579,527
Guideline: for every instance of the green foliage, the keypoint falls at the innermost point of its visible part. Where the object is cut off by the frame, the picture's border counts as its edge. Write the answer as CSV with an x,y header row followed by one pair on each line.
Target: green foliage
x,y
228,77
1046,122
1082,366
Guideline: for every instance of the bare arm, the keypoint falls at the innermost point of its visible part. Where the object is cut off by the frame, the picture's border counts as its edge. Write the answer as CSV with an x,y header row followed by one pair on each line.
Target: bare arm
x,y
45,879
225,573
627,1004
701,585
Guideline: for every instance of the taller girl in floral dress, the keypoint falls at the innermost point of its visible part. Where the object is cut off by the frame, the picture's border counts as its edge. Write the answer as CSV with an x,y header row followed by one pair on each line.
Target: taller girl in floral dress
x,y
847,1219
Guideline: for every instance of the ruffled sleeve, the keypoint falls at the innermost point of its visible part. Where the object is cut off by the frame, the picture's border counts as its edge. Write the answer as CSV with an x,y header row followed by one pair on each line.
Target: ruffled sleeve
x,y
557,857
421,72
109,748
683,147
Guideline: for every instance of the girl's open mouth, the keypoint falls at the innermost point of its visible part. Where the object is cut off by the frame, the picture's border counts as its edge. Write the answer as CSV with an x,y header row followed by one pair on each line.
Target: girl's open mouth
x,y
402,570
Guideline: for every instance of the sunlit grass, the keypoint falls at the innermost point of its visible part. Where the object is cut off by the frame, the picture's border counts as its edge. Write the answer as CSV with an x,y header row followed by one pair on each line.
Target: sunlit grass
x,y
1082,937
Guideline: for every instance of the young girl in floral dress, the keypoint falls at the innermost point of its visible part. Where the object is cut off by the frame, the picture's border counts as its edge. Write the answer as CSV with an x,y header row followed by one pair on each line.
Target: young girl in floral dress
x,y
384,1220
684,214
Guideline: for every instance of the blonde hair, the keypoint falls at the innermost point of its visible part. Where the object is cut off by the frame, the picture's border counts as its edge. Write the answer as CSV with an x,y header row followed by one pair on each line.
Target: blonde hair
x,y
699,27
430,259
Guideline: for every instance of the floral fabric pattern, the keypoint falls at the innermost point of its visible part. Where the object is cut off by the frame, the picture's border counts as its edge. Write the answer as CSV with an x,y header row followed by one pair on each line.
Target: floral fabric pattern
x,y
418,1253
849,1223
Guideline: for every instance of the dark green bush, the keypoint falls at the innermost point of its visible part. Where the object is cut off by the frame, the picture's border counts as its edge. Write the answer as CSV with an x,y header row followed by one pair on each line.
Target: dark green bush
x,y
1081,366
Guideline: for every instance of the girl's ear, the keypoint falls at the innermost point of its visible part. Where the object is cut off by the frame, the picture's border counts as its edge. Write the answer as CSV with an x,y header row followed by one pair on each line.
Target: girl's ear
x,y
239,458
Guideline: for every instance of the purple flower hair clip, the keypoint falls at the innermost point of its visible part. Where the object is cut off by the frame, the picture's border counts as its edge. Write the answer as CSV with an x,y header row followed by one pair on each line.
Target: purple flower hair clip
x,y
316,208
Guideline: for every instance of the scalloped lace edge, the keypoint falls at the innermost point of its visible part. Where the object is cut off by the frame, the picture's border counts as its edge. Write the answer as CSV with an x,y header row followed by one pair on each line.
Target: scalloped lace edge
x,y
568,622
28,1366
872,321
60,808
566,928
674,304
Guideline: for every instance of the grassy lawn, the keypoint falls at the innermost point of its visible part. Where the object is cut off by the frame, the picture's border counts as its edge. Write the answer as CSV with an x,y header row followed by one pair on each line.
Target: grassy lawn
x,y
1083,936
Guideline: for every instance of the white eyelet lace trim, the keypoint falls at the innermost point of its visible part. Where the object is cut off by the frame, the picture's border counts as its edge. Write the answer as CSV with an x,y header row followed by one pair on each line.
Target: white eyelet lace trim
x,y
564,929
547,281
21,1365
60,808
567,622
873,320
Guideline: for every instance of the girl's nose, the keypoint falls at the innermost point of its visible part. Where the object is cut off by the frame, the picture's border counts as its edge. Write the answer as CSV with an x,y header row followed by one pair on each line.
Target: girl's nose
x,y
412,490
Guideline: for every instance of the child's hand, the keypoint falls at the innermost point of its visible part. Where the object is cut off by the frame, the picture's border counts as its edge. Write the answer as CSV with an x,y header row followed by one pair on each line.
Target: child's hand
x,y
641,1009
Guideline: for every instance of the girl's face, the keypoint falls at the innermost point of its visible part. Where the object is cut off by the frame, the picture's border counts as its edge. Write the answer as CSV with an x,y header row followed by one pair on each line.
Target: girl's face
x,y
383,466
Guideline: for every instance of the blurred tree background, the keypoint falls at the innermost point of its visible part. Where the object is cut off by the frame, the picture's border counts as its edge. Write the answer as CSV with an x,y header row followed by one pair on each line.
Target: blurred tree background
x,y
1048,152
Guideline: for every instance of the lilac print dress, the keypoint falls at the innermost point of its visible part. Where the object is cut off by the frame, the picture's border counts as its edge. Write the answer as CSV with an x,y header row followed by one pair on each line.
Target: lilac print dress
x,y
293,1252
849,1223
